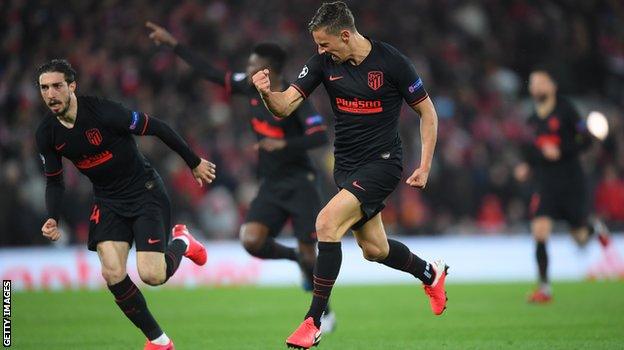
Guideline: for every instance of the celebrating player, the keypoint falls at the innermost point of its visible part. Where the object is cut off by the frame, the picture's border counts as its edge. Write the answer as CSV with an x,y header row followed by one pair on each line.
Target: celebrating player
x,y
130,201
288,187
560,137
366,81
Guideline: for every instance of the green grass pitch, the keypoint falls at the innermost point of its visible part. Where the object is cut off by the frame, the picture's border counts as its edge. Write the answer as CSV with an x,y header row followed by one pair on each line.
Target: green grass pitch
x,y
588,315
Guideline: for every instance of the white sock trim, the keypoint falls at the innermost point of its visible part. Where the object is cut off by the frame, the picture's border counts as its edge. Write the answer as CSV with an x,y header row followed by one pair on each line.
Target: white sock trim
x,y
162,340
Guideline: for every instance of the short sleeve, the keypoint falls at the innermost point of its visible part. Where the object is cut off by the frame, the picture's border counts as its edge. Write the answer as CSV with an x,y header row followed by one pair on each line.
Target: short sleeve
x,y
408,82
52,162
310,77
311,120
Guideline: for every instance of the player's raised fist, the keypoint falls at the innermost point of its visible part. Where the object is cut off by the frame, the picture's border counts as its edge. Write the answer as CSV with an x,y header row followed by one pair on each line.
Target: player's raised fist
x,y
205,172
160,35
50,230
418,178
261,81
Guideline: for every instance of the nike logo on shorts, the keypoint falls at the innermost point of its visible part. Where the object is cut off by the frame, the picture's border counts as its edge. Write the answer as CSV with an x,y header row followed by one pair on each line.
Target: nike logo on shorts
x,y
60,147
152,241
333,78
357,185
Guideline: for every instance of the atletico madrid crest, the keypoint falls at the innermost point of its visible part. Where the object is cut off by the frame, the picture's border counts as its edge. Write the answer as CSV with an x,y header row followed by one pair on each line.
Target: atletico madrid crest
x,y
375,79
94,136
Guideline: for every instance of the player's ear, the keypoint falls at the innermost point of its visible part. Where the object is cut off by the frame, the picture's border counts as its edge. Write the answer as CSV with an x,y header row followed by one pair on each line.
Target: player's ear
x,y
72,86
345,35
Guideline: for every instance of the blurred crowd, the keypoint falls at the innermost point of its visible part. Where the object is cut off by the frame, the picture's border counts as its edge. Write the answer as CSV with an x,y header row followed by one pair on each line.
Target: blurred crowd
x,y
474,57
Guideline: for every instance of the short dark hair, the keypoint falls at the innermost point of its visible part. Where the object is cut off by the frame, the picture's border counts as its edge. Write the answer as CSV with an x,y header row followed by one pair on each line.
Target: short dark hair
x,y
542,68
60,65
334,16
274,53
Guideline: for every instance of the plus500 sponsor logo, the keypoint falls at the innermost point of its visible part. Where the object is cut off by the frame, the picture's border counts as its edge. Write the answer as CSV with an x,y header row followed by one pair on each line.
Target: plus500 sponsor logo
x,y
357,106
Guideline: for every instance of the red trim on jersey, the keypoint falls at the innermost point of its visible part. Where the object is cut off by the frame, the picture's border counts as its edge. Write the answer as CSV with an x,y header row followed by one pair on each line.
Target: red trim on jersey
x,y
418,101
228,83
54,174
266,129
547,139
315,129
299,89
145,126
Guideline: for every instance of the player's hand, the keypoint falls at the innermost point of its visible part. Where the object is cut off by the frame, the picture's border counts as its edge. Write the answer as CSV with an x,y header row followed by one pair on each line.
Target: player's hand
x,y
262,82
160,35
418,178
205,172
551,152
50,230
270,145
521,172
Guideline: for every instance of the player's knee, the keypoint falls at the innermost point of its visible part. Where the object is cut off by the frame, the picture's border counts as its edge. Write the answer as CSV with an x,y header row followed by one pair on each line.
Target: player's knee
x,y
113,275
153,278
540,229
251,241
326,228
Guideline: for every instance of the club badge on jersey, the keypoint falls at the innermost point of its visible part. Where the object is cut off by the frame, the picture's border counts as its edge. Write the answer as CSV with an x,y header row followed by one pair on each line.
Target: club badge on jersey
x,y
94,137
375,79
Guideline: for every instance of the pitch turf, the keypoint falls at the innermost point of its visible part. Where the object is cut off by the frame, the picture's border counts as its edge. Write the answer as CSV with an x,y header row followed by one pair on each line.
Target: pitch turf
x,y
583,316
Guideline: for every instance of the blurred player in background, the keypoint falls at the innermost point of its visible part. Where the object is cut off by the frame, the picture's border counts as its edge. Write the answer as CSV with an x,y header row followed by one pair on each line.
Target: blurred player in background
x,y
560,135
288,179
367,81
130,201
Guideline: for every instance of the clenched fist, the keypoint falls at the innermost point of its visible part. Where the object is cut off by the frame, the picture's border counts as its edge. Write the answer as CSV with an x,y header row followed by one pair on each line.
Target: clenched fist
x,y
418,178
262,82
50,230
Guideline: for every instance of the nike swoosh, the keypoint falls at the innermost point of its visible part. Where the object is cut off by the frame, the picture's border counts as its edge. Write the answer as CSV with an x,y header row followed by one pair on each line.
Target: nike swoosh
x,y
356,184
60,147
332,78
152,241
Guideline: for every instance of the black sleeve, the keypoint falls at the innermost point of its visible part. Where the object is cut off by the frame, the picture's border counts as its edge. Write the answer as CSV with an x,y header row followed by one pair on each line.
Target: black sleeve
x,y
53,170
233,82
407,81
314,129
124,120
310,77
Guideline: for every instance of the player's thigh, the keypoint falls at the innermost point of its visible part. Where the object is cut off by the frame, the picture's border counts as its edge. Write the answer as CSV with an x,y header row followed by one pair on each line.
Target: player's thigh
x,y
371,237
541,227
265,211
105,224
151,227
253,234
371,184
337,217
113,258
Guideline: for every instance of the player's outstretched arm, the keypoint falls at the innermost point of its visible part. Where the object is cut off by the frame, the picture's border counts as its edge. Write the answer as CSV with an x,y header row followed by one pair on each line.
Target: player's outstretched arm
x,y
203,170
428,136
161,36
281,104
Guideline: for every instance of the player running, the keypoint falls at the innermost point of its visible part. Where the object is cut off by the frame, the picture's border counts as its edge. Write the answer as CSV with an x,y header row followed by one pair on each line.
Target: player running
x,y
560,135
130,201
366,81
288,179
